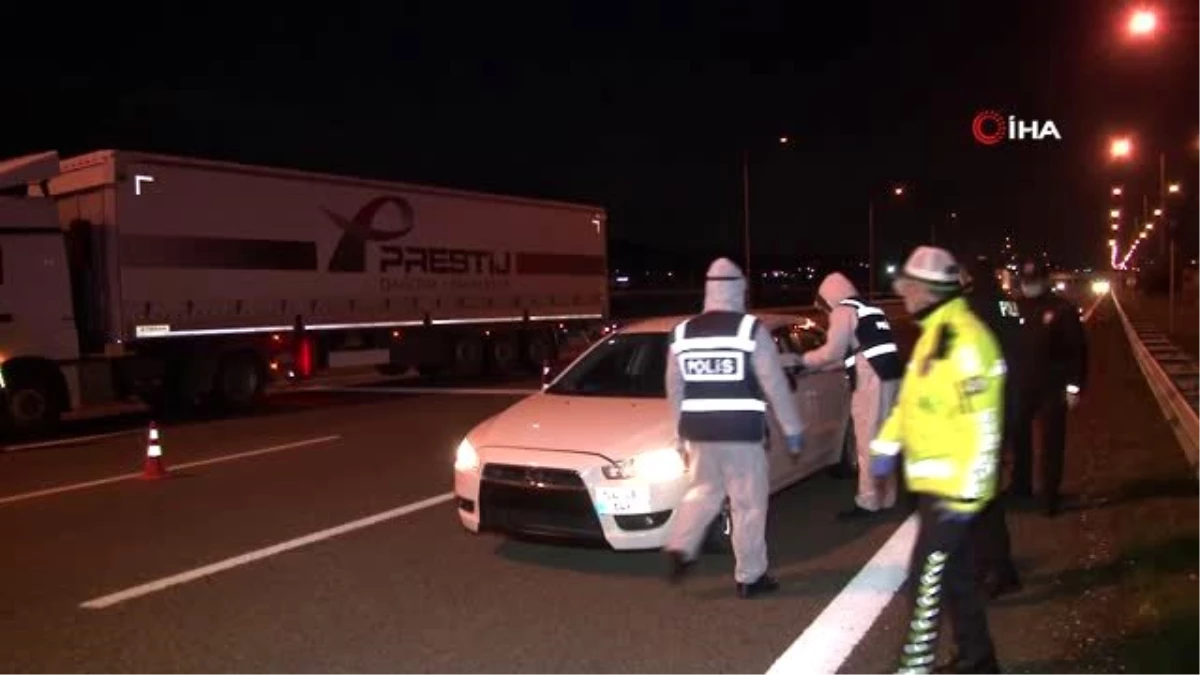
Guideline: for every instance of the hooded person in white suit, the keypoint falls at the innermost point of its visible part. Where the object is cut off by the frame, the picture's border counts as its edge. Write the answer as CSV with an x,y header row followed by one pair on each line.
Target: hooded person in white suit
x,y
860,340
723,371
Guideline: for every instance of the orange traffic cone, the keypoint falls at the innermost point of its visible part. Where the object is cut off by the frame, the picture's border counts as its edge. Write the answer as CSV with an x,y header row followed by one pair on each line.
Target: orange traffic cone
x,y
153,468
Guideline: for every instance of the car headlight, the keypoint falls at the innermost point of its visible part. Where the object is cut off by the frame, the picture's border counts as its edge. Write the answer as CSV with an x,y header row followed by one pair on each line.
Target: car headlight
x,y
655,466
1100,287
465,458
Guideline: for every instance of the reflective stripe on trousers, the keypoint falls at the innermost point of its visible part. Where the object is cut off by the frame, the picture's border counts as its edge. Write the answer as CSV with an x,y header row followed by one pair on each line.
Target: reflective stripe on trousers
x,y
920,647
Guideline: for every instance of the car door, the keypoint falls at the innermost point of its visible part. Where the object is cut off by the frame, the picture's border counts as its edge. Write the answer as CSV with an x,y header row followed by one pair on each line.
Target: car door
x,y
826,397
784,469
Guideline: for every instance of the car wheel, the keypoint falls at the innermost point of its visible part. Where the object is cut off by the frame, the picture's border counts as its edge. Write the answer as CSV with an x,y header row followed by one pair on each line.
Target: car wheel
x,y
847,464
720,533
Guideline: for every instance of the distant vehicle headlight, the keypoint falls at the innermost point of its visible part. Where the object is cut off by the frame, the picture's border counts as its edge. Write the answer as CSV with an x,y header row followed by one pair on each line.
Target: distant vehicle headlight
x,y
656,466
465,458
1100,287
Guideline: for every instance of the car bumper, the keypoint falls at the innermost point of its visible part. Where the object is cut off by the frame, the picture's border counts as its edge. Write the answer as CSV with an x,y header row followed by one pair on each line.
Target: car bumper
x,y
560,501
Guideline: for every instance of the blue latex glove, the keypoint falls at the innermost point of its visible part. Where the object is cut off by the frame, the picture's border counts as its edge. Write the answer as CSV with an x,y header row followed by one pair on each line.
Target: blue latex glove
x,y
949,515
883,466
795,443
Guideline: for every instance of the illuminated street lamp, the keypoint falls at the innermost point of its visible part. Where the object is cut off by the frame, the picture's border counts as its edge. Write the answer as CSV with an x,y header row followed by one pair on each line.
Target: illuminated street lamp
x,y
1149,226
1142,235
1112,243
898,190
1157,212
1115,227
1173,188
1142,22
1115,213
1116,191
1120,148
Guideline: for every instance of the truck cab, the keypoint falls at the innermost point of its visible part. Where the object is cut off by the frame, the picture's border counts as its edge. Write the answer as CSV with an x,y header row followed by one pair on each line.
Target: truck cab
x,y
37,325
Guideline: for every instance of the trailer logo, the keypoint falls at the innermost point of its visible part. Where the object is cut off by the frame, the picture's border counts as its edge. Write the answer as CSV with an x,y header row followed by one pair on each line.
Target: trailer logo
x,y
351,252
350,255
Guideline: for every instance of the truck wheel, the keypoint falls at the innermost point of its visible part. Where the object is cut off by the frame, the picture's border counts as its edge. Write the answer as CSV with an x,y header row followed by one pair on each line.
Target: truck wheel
x,y
31,407
719,538
468,356
503,354
240,381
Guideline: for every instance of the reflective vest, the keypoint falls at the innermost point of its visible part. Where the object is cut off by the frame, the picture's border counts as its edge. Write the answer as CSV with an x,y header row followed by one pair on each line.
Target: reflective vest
x,y
875,343
947,420
722,399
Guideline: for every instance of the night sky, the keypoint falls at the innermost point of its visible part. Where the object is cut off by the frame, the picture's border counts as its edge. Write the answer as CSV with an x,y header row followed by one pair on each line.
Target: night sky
x,y
645,111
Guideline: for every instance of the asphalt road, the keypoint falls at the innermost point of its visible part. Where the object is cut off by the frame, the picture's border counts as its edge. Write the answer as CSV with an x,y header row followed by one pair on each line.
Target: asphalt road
x,y
415,592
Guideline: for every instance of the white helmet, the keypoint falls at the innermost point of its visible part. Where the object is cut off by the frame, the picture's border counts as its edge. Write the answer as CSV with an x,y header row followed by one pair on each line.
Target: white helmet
x,y
932,265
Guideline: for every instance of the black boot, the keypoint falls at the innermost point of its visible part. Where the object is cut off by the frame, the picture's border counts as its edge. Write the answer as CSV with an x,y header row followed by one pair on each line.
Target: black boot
x,y
957,665
1052,505
1000,585
858,513
764,584
677,566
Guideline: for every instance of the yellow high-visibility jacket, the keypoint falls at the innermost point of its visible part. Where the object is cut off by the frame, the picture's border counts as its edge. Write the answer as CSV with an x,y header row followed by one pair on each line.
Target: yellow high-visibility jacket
x,y
948,418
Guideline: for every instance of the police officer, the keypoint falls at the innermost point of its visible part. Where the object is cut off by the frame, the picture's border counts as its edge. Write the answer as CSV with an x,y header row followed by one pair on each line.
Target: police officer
x,y
724,371
993,547
1052,377
860,338
946,425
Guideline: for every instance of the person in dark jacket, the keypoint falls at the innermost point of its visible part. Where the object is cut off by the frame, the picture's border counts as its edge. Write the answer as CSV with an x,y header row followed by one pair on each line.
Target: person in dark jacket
x,y
994,566
1052,376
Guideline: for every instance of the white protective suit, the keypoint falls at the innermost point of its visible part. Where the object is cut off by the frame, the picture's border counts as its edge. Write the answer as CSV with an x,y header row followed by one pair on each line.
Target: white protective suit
x,y
873,398
738,470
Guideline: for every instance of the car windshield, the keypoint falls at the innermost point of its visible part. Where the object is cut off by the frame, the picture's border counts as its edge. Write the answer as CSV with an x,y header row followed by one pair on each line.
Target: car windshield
x,y
624,365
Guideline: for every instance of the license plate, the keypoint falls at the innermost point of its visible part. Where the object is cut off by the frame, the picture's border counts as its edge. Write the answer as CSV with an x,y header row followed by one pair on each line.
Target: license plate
x,y
622,500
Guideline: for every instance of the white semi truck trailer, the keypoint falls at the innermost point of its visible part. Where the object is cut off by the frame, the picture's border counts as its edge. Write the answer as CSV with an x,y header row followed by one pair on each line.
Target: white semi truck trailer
x,y
127,276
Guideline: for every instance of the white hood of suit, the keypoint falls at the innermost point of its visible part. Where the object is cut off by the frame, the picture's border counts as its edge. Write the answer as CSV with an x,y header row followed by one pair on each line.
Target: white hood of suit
x,y
724,287
836,288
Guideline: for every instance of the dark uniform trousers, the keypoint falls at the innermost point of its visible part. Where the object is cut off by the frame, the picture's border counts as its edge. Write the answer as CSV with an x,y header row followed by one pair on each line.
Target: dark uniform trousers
x,y
941,575
991,539
1048,406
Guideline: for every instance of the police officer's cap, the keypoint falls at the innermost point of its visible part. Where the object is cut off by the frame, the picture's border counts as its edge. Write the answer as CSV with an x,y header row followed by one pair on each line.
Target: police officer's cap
x,y
932,265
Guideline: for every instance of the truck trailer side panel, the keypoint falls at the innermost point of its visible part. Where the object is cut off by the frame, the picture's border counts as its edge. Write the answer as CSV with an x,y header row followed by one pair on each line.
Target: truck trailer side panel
x,y
205,248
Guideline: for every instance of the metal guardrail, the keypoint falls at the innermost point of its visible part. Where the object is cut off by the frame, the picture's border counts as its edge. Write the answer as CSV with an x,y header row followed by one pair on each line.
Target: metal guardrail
x,y
1172,375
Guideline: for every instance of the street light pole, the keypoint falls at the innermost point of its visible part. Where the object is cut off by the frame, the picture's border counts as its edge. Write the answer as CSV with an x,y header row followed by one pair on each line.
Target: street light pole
x,y
1169,240
746,223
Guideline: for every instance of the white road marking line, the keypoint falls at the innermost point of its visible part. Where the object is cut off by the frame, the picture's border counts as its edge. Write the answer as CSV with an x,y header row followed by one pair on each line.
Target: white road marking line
x,y
832,636
186,465
1088,314
464,391
73,440
252,556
